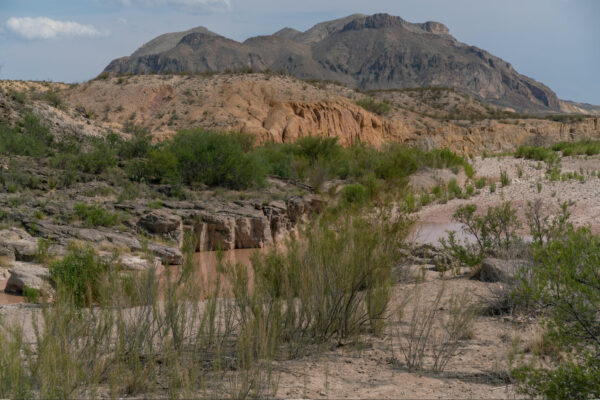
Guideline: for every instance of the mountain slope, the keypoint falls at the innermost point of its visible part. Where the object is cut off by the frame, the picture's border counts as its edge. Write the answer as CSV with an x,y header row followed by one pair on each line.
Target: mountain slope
x,y
370,52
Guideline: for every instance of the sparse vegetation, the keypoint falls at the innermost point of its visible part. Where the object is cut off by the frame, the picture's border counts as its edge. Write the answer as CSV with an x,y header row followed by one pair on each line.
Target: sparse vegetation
x,y
374,106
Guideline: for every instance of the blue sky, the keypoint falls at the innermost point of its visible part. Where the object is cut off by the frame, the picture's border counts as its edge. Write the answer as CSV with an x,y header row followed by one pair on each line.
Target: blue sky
x,y
556,42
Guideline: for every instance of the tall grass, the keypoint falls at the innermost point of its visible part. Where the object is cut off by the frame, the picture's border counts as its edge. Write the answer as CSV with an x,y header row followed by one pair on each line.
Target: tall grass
x,y
137,335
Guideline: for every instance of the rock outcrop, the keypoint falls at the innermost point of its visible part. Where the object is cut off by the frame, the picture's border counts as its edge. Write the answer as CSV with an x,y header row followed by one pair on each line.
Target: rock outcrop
x,y
17,244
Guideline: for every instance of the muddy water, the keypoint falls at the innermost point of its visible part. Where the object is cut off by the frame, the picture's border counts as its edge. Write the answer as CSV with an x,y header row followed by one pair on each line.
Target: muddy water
x,y
206,269
6,298
425,232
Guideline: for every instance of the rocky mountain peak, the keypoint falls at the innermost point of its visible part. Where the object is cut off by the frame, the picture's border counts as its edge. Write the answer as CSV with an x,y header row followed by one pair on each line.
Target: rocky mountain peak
x,y
373,52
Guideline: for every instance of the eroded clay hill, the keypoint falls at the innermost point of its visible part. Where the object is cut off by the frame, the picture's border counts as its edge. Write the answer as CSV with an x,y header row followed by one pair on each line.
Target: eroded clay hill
x,y
282,108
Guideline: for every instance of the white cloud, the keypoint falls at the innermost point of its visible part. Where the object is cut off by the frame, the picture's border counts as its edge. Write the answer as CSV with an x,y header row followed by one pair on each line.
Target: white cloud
x,y
46,28
198,4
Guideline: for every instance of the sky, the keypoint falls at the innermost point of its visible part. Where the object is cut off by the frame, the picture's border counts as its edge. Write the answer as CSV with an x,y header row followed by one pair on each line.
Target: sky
x,y
556,42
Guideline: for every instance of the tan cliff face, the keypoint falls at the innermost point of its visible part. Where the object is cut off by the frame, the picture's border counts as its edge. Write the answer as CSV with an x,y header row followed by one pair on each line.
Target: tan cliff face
x,y
283,109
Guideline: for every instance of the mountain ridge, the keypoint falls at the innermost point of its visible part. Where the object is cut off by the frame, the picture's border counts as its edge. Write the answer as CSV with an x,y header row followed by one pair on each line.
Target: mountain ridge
x,y
370,52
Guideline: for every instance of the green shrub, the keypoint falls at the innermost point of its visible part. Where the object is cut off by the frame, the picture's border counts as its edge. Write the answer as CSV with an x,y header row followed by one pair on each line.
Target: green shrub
x,y
332,284
565,282
54,98
504,179
469,170
453,189
354,195
139,145
533,153
480,183
31,295
93,215
96,160
215,159
374,106
78,275
161,166
493,233
583,147
28,138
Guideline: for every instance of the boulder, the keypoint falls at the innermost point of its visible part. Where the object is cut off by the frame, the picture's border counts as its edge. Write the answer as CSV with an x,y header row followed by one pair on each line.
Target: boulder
x,y
23,246
29,275
160,222
497,270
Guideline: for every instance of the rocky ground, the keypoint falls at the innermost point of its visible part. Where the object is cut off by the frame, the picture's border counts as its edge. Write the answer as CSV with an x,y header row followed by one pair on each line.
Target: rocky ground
x,y
532,184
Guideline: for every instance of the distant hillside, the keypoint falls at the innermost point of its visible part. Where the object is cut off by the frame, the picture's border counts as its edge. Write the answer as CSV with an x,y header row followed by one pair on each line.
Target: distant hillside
x,y
370,52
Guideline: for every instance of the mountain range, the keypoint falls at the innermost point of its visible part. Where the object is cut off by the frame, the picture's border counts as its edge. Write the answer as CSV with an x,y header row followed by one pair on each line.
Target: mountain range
x,y
369,52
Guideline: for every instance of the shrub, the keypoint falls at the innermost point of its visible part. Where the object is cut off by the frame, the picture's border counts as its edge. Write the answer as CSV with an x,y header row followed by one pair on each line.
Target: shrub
x,y
161,166
565,282
504,179
534,153
333,283
93,215
28,138
54,98
374,106
96,160
354,195
31,295
78,275
139,145
429,334
493,233
215,159
469,171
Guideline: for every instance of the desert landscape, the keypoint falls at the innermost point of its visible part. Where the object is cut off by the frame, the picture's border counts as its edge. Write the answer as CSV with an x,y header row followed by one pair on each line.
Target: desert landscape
x,y
366,209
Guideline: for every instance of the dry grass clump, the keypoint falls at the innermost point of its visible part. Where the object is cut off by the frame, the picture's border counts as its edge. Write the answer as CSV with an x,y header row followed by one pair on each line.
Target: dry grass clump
x,y
428,337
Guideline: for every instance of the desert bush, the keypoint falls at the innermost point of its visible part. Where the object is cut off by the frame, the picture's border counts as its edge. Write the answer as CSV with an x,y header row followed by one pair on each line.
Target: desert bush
x,y
161,166
95,161
582,147
93,215
534,153
215,159
54,98
28,138
427,335
493,233
565,282
354,195
134,340
331,284
504,178
78,273
374,106
138,145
